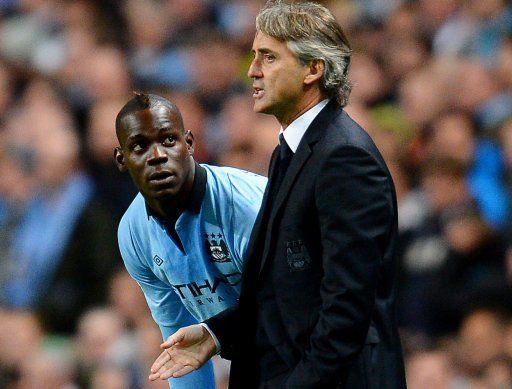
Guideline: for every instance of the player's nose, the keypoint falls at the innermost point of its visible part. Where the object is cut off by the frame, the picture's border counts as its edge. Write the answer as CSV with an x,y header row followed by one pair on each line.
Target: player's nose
x,y
157,155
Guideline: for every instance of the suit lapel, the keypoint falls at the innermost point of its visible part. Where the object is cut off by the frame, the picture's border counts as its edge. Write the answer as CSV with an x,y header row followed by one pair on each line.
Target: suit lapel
x,y
314,132
262,217
299,159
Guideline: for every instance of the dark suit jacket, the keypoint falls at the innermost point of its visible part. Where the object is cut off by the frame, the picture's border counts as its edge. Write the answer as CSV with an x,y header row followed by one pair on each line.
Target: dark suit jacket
x,y
326,246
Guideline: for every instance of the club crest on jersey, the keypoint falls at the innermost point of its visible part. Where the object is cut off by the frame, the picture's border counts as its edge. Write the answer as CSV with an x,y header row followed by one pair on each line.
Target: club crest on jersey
x,y
217,248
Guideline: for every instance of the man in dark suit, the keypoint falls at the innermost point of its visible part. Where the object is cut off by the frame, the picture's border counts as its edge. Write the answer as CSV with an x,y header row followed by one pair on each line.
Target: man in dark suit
x,y
316,308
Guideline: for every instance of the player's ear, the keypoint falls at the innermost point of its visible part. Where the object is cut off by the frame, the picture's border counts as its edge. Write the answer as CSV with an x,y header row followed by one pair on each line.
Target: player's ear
x,y
119,158
315,72
191,143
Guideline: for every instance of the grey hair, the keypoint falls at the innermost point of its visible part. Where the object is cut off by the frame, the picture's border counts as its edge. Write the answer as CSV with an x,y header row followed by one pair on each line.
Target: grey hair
x,y
312,33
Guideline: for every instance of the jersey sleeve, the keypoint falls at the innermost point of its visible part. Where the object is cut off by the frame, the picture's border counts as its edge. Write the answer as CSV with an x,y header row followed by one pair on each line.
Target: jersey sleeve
x,y
166,308
247,193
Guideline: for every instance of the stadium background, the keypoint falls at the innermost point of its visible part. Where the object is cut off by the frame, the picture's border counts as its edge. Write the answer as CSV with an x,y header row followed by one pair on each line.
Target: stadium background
x,y
432,84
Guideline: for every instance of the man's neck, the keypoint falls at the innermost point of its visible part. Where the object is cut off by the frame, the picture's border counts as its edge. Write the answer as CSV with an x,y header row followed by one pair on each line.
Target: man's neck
x,y
166,209
171,208
307,102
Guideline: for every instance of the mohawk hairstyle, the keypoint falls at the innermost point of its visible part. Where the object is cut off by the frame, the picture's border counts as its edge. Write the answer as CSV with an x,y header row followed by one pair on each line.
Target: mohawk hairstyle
x,y
142,101
142,98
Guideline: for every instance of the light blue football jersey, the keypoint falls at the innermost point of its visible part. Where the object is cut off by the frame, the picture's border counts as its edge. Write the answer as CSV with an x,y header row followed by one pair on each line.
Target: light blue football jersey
x,y
189,281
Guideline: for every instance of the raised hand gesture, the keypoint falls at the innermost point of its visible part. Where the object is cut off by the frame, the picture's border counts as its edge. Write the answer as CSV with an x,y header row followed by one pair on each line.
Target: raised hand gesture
x,y
186,350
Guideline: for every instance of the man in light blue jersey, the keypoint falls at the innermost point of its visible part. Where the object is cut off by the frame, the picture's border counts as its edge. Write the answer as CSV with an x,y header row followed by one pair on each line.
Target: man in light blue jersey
x,y
184,236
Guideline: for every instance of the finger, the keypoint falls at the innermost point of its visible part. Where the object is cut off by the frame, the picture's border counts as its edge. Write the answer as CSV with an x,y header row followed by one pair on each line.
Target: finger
x,y
154,376
159,372
167,366
183,371
170,371
178,370
162,359
159,362
173,339
171,366
182,355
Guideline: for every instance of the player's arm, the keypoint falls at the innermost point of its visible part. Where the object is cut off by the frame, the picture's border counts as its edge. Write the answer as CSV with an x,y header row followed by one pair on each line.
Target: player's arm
x,y
191,346
355,210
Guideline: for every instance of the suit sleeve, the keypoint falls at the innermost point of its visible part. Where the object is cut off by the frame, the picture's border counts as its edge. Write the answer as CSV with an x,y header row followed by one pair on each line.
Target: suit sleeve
x,y
355,210
225,326
165,306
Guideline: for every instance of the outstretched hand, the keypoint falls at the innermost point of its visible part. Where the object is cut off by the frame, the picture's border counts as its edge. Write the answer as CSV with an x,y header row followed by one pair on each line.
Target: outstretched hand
x,y
186,350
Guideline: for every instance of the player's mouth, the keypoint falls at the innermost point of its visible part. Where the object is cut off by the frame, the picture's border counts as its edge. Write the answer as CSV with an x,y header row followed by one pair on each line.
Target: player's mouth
x,y
258,92
160,178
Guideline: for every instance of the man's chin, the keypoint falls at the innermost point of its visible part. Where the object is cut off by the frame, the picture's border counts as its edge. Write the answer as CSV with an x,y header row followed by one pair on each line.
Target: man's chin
x,y
263,109
260,106
164,193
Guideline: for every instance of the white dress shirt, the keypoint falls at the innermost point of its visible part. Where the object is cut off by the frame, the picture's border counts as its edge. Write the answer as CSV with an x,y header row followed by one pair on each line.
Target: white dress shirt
x,y
296,130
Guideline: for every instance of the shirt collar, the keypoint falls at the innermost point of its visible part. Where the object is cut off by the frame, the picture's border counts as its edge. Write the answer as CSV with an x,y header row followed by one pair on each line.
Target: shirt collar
x,y
296,130
196,195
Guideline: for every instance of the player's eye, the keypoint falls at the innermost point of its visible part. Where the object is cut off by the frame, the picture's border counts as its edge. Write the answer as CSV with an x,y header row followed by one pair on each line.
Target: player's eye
x,y
137,146
269,57
170,140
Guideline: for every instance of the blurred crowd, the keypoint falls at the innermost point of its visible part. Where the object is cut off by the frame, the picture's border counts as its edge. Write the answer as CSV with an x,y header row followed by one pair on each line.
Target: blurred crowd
x,y
432,84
